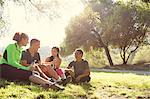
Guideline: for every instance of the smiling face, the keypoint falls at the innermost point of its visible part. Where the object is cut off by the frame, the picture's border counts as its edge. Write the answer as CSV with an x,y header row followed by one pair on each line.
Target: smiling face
x,y
24,41
36,46
54,52
78,55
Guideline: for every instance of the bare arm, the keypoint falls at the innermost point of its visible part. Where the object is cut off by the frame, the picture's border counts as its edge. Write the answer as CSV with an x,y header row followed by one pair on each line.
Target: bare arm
x,y
47,59
86,73
57,63
70,65
24,63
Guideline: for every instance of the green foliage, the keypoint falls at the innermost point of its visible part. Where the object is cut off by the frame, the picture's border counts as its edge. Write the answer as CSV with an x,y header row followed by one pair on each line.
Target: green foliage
x,y
124,22
2,23
96,58
1,2
78,31
121,25
143,55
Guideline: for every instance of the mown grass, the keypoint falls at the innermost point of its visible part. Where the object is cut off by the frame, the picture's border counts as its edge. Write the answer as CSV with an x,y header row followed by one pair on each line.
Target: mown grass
x,y
102,86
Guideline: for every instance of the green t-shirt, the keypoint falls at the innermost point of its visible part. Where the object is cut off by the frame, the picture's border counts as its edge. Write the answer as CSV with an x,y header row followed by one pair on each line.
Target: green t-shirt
x,y
14,53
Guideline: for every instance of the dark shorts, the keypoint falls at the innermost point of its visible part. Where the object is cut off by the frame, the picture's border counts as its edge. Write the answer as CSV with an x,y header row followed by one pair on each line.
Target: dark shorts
x,y
13,74
82,80
85,79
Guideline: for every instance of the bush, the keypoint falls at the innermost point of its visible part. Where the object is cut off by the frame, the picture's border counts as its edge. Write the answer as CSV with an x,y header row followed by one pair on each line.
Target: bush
x,y
96,58
142,55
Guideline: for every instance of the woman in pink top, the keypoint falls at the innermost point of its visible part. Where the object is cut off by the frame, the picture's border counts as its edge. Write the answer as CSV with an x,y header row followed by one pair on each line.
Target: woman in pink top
x,y
56,61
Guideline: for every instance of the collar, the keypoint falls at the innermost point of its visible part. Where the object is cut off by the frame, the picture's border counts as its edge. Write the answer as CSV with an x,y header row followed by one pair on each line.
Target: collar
x,y
17,47
29,51
79,61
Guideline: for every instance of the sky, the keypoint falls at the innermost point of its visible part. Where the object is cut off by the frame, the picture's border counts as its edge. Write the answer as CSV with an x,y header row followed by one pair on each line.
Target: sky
x,y
26,18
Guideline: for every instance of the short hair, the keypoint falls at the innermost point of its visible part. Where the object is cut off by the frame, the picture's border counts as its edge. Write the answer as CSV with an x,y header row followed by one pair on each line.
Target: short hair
x,y
18,36
79,50
34,41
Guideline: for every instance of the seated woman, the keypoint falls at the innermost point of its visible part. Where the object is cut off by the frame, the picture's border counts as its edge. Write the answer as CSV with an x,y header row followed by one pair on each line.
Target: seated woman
x,y
55,61
12,70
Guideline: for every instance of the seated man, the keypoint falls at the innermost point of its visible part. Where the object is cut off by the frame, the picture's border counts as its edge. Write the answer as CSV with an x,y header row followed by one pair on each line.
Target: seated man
x,y
80,67
31,56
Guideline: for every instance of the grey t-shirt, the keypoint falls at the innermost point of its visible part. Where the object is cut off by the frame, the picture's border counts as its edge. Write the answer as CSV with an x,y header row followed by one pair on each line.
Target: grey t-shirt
x,y
79,67
26,55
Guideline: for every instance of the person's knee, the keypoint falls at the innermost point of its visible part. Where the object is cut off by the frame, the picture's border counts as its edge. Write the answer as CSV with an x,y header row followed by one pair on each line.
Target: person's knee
x,y
31,78
44,69
85,79
88,79
67,73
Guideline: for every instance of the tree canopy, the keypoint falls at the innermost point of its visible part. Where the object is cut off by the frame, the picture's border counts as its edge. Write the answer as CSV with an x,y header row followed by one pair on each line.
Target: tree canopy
x,y
121,25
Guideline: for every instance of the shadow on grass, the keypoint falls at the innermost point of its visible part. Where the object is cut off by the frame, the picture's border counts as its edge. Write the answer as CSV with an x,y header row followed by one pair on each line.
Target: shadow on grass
x,y
4,83
88,87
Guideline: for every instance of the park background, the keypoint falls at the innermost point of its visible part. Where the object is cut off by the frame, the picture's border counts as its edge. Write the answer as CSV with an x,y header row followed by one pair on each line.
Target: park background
x,y
114,34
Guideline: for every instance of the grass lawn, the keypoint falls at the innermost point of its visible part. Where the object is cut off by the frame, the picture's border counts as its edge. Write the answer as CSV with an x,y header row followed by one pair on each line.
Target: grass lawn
x,y
102,86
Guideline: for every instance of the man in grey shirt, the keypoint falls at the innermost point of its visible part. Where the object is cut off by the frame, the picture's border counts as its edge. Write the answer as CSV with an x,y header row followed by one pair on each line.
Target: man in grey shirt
x,y
31,55
81,68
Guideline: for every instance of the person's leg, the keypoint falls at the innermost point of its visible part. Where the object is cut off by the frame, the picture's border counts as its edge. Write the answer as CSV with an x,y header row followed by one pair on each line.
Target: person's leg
x,y
45,83
0,71
13,74
41,73
50,72
39,80
85,79
69,73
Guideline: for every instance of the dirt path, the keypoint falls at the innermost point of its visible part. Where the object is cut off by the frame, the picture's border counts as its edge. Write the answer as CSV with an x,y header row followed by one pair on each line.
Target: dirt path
x,y
121,71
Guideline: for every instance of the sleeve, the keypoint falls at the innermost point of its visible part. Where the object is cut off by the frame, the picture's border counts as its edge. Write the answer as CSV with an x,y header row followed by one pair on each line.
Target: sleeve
x,y
70,64
24,56
39,58
86,65
11,58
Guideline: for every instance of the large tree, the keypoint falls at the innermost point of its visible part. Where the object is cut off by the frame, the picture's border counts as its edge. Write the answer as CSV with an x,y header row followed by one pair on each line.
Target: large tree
x,y
122,25
78,31
82,32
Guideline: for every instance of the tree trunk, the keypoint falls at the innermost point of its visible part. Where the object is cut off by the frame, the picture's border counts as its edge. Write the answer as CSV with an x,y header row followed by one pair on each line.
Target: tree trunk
x,y
124,56
101,44
108,56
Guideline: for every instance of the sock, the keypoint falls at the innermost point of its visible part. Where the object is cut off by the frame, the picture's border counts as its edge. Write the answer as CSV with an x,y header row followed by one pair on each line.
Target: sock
x,y
58,80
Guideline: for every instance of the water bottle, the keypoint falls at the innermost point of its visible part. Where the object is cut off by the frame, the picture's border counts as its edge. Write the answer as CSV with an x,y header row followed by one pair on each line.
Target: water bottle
x,y
53,66
33,63
35,72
